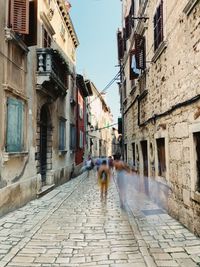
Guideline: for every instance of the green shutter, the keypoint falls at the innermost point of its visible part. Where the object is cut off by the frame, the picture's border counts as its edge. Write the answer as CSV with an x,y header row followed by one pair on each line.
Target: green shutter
x,y
14,138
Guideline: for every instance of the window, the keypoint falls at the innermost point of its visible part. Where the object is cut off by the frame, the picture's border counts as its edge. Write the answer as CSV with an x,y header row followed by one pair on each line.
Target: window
x,y
161,157
197,146
145,159
31,38
124,39
133,153
15,118
120,45
62,134
80,111
158,26
81,139
124,87
72,137
125,152
19,16
120,125
128,26
134,71
46,39
132,11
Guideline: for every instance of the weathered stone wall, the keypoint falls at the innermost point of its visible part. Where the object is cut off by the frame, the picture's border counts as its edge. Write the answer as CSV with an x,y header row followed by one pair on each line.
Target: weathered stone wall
x,y
172,78
19,172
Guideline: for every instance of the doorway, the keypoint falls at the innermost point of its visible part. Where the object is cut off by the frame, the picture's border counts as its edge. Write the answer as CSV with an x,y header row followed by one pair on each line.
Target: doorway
x,y
43,143
145,165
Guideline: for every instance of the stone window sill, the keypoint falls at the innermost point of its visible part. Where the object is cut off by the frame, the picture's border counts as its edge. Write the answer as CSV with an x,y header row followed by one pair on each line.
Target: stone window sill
x,y
9,155
189,7
196,196
159,51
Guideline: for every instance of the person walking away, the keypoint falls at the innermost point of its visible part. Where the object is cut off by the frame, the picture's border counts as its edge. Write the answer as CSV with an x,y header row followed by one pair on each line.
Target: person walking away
x,y
89,165
103,178
110,163
98,163
122,171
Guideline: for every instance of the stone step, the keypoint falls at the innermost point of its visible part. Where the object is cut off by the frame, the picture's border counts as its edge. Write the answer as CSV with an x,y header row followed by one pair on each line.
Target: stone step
x,y
44,190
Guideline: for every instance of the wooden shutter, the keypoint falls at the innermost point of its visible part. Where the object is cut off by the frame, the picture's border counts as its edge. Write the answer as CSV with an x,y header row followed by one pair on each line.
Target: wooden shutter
x,y
14,138
128,26
120,125
20,16
132,13
124,39
158,26
155,31
140,51
31,38
120,45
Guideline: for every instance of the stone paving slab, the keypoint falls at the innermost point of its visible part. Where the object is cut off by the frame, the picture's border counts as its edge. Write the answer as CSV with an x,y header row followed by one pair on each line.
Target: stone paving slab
x,y
169,243
71,226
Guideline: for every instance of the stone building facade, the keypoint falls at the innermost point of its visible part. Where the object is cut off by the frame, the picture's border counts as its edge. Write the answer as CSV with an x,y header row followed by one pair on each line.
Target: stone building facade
x,y
81,122
37,52
159,52
99,119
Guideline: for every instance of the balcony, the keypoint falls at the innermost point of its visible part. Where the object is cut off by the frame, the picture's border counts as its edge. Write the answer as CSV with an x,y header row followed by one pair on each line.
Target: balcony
x,y
52,71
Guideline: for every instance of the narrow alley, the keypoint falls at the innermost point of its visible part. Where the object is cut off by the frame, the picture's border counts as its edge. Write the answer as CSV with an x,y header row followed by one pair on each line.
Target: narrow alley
x,y
71,226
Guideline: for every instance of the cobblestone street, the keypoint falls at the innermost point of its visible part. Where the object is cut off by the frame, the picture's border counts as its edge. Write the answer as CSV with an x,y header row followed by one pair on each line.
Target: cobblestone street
x,y
70,226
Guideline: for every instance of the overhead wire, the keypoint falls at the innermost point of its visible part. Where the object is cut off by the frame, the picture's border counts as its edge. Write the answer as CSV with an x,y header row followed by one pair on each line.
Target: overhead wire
x,y
122,66
106,127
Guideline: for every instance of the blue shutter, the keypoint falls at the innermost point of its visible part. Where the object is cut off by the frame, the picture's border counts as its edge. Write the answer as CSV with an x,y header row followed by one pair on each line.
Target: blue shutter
x,y
14,138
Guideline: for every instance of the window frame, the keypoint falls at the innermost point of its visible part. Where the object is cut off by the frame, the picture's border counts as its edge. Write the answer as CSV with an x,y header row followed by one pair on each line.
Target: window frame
x,y
161,169
158,21
46,38
133,154
193,129
134,72
162,133
80,108
72,136
62,134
